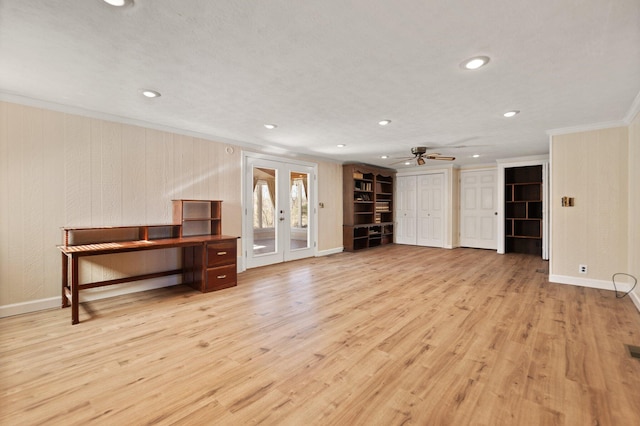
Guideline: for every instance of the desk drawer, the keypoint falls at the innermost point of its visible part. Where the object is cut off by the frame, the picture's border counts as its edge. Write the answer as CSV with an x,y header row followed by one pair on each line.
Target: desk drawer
x,y
221,253
221,277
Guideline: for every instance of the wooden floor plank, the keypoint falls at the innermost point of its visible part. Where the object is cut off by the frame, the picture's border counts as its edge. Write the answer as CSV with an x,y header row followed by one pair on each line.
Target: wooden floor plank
x,y
390,336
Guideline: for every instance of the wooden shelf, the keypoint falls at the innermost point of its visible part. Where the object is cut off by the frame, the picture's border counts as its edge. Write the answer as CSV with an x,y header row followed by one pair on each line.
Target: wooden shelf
x,y
198,217
367,206
523,209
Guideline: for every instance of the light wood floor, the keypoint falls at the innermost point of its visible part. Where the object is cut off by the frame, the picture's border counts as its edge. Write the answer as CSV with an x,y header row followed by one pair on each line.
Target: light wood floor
x,y
394,335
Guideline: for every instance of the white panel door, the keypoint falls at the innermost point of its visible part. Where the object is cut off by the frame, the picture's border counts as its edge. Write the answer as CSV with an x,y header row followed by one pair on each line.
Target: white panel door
x,y
405,208
430,214
478,209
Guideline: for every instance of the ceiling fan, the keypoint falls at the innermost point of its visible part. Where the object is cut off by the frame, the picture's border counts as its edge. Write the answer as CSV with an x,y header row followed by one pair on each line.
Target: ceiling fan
x,y
420,155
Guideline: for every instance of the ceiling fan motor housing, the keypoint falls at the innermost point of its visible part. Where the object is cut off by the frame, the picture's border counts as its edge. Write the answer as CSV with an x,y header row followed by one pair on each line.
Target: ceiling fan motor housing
x,y
419,150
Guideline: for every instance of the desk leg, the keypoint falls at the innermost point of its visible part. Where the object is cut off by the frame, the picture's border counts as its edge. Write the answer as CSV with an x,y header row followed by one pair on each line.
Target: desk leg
x,y
65,280
74,290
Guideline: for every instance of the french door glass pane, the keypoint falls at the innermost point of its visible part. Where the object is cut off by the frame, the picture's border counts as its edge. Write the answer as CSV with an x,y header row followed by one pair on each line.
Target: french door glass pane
x,y
264,211
299,210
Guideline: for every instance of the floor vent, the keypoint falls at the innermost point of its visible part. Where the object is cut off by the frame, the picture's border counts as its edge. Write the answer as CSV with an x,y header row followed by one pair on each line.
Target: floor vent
x,y
634,351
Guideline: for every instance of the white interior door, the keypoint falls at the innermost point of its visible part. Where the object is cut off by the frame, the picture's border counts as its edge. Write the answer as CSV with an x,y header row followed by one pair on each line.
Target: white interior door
x,y
280,214
420,217
430,214
478,209
405,208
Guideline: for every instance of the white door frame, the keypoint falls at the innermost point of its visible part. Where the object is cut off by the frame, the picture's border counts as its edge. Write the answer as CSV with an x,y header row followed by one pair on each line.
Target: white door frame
x,y
536,160
448,196
247,201
479,243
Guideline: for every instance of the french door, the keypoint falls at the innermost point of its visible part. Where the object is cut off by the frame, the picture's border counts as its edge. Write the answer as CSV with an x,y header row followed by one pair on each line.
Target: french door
x,y
280,214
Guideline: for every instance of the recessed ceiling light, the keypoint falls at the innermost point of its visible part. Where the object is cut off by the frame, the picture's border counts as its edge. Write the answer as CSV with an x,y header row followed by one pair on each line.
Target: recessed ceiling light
x,y
475,63
270,126
511,113
116,3
341,145
384,156
150,93
407,163
476,155
384,122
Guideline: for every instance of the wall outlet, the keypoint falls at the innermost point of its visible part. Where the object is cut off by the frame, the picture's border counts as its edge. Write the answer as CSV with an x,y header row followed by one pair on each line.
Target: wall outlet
x,y
582,269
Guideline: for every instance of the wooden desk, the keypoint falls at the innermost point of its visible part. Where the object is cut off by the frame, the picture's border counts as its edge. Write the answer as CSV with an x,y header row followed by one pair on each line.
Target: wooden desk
x,y
209,263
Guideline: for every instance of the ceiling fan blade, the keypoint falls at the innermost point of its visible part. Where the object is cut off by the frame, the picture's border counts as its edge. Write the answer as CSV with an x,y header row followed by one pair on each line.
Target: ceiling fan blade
x,y
402,160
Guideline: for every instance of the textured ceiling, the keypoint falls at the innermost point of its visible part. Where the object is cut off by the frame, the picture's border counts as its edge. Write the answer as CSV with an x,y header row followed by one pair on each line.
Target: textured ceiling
x,y
327,71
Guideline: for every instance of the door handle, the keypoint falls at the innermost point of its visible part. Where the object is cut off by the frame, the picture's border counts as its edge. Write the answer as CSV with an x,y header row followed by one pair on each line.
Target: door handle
x,y
281,219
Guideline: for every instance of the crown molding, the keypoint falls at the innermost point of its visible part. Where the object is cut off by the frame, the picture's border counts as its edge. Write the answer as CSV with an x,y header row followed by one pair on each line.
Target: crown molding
x,y
67,109
626,121
528,158
586,128
633,111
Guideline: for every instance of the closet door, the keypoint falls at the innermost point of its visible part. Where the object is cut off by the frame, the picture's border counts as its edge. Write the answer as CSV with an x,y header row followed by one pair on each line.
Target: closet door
x,y
430,210
405,208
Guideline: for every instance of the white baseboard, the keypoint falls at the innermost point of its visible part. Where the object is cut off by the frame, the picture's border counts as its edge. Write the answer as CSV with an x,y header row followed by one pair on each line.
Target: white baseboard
x,y
86,296
330,251
240,264
599,284
591,283
120,289
30,306
117,290
636,300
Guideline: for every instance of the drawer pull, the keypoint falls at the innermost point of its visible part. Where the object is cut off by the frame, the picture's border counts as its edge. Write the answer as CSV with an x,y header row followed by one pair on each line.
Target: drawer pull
x,y
220,277
222,253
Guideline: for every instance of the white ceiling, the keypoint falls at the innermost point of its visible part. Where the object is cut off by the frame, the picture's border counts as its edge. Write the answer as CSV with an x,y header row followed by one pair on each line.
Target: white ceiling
x,y
327,71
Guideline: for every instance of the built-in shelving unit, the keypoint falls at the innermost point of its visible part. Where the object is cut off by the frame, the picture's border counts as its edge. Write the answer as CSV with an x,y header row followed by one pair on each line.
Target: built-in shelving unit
x,y
367,206
523,209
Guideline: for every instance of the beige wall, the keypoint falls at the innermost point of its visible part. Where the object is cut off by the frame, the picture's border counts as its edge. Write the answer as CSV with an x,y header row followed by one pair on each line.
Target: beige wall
x,y
59,169
593,168
634,202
